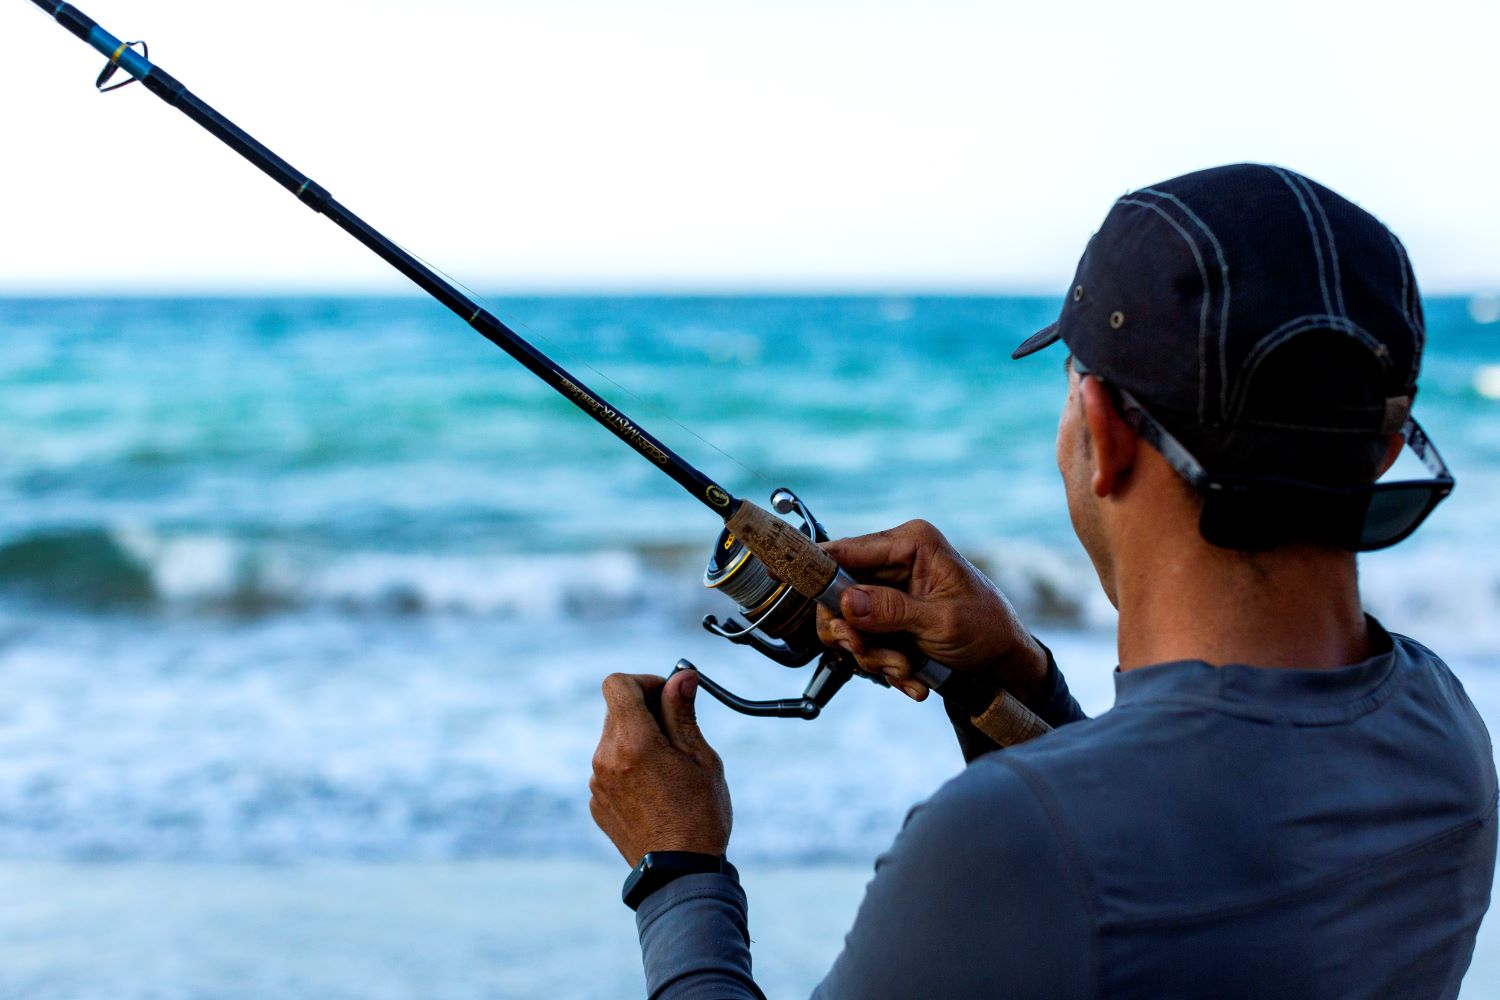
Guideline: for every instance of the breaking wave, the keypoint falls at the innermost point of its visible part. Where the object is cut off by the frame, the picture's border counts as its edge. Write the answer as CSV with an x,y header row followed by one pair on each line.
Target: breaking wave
x,y
88,567
136,570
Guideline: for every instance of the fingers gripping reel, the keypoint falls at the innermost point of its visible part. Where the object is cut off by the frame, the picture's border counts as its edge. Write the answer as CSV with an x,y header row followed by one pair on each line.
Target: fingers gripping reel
x,y
782,624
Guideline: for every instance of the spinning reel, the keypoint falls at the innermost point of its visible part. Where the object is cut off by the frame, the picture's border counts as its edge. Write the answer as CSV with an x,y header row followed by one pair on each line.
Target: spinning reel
x,y
782,624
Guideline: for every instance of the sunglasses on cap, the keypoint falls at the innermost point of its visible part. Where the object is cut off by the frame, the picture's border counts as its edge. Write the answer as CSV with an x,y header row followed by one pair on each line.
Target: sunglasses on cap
x,y
1257,512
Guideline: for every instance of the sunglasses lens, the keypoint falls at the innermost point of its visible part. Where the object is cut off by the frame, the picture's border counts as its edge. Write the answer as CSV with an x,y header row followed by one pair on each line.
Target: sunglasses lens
x,y
1395,513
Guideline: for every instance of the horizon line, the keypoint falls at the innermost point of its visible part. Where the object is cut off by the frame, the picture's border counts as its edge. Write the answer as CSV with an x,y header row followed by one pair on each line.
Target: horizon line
x,y
542,291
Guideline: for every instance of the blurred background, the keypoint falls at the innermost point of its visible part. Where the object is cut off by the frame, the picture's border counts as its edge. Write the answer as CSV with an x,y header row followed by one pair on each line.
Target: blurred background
x,y
306,591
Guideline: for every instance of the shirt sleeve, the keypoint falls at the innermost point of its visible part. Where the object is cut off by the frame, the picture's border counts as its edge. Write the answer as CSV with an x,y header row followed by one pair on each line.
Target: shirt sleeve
x,y
976,897
1057,707
695,940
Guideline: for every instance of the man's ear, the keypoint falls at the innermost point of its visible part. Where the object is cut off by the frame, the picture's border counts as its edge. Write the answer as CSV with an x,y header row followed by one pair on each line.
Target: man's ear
x,y
1111,441
1392,452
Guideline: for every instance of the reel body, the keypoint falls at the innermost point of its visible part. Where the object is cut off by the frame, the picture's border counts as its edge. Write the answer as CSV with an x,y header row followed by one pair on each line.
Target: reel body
x,y
779,623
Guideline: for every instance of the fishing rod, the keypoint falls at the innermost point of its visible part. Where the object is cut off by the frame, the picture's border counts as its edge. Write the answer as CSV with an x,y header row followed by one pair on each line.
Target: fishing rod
x,y
773,571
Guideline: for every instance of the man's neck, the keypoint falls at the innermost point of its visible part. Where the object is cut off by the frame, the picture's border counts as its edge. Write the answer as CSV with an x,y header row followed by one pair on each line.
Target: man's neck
x,y
1293,607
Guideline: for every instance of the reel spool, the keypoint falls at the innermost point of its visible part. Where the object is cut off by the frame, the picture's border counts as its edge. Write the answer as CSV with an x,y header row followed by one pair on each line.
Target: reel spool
x,y
782,624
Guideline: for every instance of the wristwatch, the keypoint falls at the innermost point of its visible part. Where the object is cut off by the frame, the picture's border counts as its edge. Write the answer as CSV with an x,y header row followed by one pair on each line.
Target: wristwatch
x,y
660,867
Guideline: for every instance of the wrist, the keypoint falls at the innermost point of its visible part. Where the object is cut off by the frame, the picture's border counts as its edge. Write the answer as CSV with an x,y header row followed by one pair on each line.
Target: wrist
x,y
659,869
1024,671
1036,688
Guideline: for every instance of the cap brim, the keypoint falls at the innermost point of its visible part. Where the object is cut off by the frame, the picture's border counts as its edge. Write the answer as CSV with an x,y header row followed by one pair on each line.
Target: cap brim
x,y
1045,337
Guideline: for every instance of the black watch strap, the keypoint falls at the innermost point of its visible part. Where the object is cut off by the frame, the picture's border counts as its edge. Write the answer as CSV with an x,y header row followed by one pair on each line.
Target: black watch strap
x,y
661,867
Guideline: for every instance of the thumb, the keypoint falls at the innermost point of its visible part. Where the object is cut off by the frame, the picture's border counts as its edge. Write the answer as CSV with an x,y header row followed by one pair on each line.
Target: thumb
x,y
883,609
680,713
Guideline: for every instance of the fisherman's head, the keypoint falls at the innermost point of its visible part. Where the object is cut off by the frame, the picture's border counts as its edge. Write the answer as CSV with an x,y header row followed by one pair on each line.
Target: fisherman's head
x,y
1249,341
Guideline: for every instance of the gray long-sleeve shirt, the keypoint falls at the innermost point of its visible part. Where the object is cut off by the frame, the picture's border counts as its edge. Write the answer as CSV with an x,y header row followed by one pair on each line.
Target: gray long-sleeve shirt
x,y
1226,832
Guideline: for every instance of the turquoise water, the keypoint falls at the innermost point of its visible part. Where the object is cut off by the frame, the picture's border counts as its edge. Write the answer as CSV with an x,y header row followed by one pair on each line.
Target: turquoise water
x,y
233,508
383,425
332,581
263,455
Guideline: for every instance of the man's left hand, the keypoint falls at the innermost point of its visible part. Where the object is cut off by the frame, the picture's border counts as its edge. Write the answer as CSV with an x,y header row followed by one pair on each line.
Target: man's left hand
x,y
657,788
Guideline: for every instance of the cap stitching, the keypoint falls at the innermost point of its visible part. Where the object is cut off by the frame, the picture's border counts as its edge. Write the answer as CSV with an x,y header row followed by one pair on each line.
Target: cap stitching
x,y
1401,266
1203,310
1292,328
1333,249
1408,295
1224,304
1301,324
1312,230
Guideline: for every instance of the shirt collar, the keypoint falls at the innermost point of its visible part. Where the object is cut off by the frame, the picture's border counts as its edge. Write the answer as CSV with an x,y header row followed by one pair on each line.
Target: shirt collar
x,y
1268,692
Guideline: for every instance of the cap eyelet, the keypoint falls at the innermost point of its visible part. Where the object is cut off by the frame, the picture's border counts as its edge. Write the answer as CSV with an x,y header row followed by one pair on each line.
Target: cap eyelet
x,y
1078,293
1116,320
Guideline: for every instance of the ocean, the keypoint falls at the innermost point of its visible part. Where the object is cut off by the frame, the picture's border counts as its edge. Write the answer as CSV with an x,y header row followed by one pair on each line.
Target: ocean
x,y
304,604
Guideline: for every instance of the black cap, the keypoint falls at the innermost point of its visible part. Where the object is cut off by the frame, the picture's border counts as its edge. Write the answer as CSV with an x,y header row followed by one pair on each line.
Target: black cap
x,y
1248,296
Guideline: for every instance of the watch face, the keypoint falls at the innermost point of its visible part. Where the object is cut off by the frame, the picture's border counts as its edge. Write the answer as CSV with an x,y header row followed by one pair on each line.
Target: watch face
x,y
684,862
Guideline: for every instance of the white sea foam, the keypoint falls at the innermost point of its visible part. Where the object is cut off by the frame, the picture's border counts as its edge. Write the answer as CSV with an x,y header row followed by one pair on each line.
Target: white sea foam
x,y
1487,381
1445,597
351,741
1437,589
216,572
321,731
1485,309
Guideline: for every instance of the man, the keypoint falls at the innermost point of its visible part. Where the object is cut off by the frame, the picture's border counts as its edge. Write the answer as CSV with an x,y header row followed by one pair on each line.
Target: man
x,y
1286,800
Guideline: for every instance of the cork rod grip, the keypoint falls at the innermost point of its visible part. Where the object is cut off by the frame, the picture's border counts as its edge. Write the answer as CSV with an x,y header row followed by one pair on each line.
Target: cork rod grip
x,y
788,553
990,708
1008,722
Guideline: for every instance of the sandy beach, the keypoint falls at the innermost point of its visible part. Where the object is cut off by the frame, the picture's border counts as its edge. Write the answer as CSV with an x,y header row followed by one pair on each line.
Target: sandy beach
x,y
441,931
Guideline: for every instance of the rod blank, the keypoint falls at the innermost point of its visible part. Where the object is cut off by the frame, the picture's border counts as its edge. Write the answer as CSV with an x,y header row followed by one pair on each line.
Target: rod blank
x,y
169,89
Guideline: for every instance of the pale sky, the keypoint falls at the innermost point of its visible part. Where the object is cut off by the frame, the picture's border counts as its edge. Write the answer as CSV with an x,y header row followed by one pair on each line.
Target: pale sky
x,y
659,145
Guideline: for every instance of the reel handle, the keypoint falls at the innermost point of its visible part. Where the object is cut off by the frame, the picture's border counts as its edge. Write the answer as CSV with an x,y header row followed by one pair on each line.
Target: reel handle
x,y
827,680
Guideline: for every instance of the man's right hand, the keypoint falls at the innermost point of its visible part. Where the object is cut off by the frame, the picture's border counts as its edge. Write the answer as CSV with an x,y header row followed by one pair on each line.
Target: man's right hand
x,y
914,582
